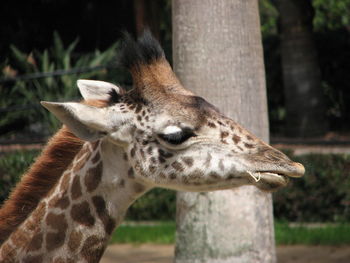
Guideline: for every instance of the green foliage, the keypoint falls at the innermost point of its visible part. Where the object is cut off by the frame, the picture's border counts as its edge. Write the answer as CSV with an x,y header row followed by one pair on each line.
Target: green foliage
x,y
164,233
322,195
158,204
268,18
331,15
159,233
59,88
338,234
12,166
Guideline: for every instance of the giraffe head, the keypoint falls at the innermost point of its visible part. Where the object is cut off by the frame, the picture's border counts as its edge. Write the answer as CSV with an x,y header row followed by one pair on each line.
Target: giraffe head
x,y
171,137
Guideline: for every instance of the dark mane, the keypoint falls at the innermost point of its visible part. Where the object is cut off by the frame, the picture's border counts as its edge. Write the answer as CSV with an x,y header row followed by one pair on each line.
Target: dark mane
x,y
144,51
40,178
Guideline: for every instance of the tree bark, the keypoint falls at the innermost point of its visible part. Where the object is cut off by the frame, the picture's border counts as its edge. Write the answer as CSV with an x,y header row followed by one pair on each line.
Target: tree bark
x,y
305,105
217,53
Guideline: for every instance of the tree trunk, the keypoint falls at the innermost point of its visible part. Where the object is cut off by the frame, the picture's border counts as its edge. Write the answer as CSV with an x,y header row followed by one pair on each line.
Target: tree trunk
x,y
217,53
305,106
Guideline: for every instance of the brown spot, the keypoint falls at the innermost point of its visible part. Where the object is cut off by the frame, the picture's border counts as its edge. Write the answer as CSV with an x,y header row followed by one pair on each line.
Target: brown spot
x,y
74,240
224,134
161,159
153,159
93,177
139,118
59,202
211,124
54,240
19,238
236,139
131,173
172,176
81,213
138,108
33,259
250,138
8,251
121,183
138,188
197,173
76,188
248,145
177,166
125,156
162,175
36,217
107,220
188,161
96,158
36,242
132,152
93,249
57,221
152,168
150,150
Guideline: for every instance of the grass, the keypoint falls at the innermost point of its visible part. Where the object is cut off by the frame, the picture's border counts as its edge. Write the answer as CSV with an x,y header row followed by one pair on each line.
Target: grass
x,y
164,233
160,233
335,234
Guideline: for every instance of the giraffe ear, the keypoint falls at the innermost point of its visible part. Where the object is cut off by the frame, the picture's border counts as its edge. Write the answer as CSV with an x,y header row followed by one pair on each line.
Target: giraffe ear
x,y
86,122
99,90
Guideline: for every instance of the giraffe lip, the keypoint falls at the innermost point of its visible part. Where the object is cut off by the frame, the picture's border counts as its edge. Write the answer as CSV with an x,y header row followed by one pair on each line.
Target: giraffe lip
x,y
258,175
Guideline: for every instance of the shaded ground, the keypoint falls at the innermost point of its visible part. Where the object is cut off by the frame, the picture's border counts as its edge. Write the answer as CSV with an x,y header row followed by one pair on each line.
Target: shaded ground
x,y
148,253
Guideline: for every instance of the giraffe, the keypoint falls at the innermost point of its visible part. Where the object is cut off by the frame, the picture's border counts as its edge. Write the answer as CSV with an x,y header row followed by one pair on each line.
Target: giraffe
x,y
117,145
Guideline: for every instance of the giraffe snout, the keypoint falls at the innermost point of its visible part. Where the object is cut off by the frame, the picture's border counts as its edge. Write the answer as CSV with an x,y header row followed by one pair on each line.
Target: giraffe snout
x,y
297,170
273,160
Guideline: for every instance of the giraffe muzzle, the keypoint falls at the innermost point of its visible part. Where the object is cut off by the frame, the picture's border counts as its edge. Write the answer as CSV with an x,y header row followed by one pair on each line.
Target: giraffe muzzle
x,y
271,180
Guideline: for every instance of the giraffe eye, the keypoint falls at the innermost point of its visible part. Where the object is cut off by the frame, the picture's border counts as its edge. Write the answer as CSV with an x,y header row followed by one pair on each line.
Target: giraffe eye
x,y
178,136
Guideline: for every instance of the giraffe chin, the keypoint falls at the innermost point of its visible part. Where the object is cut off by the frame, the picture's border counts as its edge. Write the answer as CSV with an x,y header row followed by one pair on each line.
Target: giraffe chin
x,y
268,181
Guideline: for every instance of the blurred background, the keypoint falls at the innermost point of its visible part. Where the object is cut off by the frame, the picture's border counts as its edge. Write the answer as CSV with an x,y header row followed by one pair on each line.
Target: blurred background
x,y
46,45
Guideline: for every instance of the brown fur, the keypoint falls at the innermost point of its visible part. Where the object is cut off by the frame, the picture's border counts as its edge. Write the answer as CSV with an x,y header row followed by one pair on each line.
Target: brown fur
x,y
41,178
153,80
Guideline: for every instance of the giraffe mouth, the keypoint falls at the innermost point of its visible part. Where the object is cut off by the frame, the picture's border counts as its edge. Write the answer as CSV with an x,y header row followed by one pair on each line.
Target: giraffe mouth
x,y
257,176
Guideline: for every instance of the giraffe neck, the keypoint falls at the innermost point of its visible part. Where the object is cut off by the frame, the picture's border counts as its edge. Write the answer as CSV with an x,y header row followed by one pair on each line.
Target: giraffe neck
x,y
76,219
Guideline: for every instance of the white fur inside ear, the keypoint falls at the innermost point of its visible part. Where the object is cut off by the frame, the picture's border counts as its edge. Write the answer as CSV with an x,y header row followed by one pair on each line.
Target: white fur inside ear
x,y
96,89
171,129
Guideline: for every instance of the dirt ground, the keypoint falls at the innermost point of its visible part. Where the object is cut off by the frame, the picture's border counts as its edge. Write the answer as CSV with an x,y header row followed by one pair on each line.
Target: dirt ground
x,y
148,253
